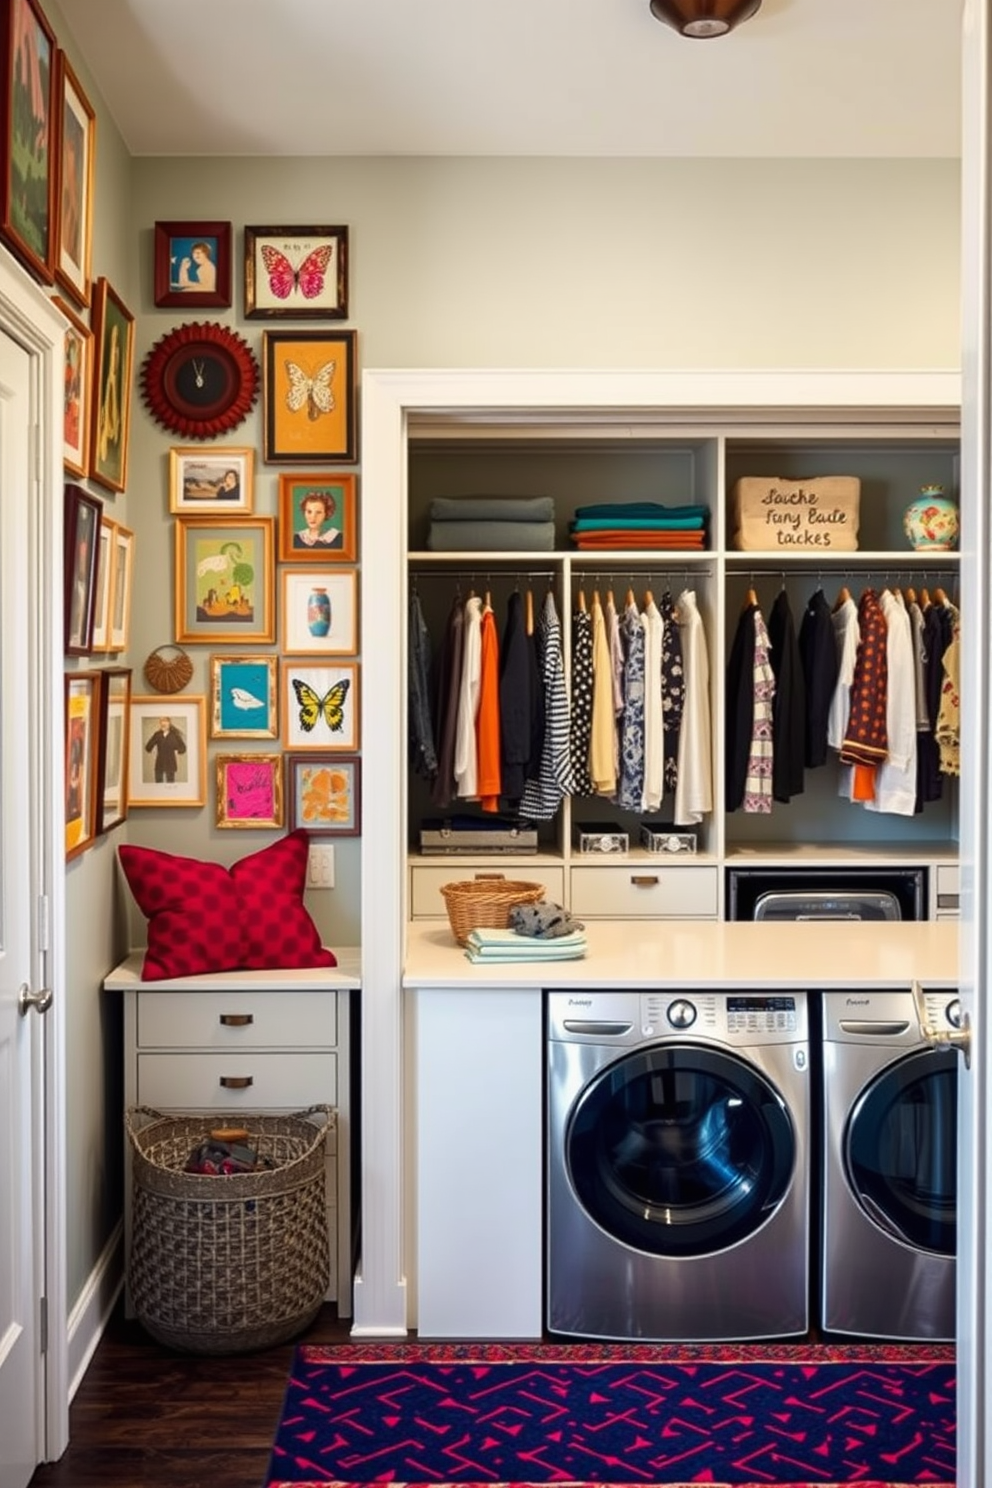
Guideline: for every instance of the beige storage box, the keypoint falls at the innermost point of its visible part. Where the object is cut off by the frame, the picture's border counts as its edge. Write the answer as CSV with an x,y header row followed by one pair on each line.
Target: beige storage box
x,y
795,516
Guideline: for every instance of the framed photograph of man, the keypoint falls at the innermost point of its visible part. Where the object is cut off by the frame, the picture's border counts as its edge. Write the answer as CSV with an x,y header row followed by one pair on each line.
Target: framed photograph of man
x,y
74,192
30,133
167,751
110,415
82,725
76,391
217,479
192,264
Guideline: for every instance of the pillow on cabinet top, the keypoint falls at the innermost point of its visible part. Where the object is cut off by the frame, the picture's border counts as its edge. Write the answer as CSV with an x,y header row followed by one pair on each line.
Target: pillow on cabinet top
x,y
203,917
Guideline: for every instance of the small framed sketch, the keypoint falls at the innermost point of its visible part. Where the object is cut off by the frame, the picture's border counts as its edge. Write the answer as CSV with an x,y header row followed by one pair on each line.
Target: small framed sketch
x,y
104,584
243,697
82,538
309,380
301,272
74,193
121,583
192,264
82,743
249,790
218,479
318,518
75,392
111,775
167,751
323,794
320,706
225,579
319,612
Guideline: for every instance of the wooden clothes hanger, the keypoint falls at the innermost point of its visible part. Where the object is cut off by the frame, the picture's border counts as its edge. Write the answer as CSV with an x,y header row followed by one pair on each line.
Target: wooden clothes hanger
x,y
529,612
582,601
843,595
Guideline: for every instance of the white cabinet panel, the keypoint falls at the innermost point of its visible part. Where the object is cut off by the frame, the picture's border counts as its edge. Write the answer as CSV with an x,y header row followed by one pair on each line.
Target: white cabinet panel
x,y
632,891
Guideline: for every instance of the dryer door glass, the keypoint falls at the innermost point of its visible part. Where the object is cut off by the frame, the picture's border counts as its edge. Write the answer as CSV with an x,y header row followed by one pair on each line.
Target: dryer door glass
x,y
900,1151
679,1150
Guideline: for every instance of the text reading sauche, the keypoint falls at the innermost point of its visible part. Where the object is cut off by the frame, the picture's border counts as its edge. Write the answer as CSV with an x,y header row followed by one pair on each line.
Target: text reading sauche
x,y
798,520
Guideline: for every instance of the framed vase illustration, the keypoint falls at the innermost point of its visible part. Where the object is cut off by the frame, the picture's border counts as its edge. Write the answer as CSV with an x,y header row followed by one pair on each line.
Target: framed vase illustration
x,y
319,612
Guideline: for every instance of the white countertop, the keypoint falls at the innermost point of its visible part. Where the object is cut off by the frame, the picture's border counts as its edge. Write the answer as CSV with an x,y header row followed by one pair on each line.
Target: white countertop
x,y
347,974
686,953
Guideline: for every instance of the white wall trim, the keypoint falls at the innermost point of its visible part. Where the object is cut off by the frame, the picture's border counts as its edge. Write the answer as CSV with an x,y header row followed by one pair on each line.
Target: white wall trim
x,y
87,1321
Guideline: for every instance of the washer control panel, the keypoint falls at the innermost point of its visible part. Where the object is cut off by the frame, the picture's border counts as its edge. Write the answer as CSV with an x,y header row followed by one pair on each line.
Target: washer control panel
x,y
761,1014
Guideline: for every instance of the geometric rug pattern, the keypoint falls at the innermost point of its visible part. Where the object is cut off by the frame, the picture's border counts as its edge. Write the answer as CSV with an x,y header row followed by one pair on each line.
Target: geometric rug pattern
x,y
617,1414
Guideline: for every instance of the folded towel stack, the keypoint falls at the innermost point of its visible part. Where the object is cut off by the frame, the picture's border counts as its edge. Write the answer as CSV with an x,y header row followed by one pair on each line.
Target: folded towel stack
x,y
640,524
491,523
491,946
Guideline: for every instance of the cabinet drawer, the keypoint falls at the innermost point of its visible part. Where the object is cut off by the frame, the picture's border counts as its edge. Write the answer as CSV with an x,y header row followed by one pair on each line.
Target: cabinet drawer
x,y
425,883
278,1081
630,892
948,877
236,1020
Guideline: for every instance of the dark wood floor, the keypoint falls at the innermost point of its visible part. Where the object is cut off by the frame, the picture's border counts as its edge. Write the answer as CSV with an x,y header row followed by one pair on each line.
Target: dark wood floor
x,y
146,1417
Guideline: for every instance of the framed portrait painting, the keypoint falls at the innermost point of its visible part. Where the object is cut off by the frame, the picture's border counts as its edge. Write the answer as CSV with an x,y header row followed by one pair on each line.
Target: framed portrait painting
x,y
76,392
300,272
249,790
214,479
318,612
323,794
82,724
318,518
110,416
74,188
30,133
81,553
309,382
111,775
320,705
243,697
167,751
192,264
225,579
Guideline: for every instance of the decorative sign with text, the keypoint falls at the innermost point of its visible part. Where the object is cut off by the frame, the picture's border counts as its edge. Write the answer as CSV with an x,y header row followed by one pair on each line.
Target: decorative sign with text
x,y
796,516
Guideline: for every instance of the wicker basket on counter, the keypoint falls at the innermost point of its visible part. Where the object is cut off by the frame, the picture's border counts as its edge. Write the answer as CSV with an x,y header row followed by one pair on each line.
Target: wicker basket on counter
x,y
485,902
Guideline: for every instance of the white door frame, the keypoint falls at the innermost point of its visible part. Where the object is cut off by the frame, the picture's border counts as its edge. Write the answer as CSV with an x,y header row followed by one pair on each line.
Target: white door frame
x,y
28,317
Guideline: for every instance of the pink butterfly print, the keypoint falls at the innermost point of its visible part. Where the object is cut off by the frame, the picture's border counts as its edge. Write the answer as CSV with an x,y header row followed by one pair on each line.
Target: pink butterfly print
x,y
308,277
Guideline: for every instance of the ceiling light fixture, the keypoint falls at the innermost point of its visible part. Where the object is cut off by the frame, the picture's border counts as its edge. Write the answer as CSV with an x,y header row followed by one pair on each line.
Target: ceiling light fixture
x,y
704,17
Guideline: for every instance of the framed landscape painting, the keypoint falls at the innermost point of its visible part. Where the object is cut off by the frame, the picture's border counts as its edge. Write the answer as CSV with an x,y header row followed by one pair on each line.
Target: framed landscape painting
x,y
225,579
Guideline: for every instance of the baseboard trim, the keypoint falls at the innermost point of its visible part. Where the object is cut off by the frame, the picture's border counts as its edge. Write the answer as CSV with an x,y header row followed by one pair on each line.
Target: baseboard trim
x,y
88,1318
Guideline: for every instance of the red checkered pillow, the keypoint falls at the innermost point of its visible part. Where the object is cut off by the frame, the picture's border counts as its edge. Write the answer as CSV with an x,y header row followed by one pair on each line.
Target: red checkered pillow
x,y
203,917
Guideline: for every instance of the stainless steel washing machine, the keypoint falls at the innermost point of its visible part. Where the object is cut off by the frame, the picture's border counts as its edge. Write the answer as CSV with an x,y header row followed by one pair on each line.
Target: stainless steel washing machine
x,y
677,1165
889,1167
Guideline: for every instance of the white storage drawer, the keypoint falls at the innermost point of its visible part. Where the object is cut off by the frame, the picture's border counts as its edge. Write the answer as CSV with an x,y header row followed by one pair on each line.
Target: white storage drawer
x,y
425,883
947,902
236,1020
629,891
277,1081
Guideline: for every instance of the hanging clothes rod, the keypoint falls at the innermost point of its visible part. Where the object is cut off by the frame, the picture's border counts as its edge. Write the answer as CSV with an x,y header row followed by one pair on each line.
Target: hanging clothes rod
x,y
482,569
835,572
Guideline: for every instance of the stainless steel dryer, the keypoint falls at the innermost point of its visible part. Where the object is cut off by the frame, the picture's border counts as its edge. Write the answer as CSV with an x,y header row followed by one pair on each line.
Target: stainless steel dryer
x,y
677,1165
889,1199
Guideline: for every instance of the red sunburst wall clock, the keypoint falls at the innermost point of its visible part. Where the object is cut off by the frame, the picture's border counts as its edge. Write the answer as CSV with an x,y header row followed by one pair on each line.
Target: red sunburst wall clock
x,y
200,380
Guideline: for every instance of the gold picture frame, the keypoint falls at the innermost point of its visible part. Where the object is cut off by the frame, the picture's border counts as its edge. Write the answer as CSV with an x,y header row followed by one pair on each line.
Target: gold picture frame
x,y
225,579
167,751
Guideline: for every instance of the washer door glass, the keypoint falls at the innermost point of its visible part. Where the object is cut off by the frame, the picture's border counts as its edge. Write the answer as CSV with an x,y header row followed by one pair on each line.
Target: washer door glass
x,y
680,1150
900,1151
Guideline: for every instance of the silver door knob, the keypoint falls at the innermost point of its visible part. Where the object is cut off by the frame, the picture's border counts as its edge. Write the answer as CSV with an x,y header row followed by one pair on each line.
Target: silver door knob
x,y
26,1000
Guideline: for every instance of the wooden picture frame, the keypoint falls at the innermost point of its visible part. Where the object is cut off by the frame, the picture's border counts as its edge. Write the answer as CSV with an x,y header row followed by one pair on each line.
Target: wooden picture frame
x,y
225,579
73,254
110,412
249,790
192,264
121,586
320,705
318,612
104,585
300,272
81,552
306,534
323,794
76,390
82,744
167,751
309,383
29,145
217,478
243,697
111,776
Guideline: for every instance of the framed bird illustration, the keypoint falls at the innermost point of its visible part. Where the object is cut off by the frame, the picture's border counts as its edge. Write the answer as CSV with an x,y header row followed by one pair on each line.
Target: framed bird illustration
x,y
243,697
309,380
319,706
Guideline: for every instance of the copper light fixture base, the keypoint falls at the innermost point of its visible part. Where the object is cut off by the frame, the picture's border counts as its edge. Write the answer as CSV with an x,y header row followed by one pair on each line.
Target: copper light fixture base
x,y
702,18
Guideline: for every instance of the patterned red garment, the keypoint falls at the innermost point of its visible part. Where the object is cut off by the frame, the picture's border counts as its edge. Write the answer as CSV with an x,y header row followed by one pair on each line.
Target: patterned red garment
x,y
866,739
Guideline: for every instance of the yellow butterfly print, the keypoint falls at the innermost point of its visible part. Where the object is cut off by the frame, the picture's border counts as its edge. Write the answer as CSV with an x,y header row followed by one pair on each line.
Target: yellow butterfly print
x,y
312,705
314,393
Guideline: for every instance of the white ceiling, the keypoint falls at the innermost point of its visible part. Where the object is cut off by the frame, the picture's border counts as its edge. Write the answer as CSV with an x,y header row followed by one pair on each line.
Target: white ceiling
x,y
522,77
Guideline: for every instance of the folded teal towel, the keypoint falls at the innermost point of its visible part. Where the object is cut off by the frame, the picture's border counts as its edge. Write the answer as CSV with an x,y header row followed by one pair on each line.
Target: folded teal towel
x,y
640,509
491,537
492,509
639,524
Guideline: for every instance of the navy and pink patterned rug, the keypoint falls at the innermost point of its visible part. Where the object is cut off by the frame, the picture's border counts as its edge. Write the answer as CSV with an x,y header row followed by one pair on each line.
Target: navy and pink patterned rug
x,y
658,1416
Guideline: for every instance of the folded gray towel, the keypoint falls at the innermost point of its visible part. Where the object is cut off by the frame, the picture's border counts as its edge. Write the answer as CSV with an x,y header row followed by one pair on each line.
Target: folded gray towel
x,y
491,537
492,509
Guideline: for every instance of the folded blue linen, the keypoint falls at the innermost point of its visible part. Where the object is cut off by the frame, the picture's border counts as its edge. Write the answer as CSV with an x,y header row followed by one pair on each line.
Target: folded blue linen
x,y
492,939
641,509
491,537
493,957
639,524
492,509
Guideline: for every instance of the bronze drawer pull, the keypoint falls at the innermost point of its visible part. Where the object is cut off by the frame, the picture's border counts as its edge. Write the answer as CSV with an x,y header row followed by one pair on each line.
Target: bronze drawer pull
x,y
237,1082
237,1020
645,880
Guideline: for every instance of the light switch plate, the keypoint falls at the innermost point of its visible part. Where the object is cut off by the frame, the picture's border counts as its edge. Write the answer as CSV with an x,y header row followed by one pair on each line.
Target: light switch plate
x,y
320,866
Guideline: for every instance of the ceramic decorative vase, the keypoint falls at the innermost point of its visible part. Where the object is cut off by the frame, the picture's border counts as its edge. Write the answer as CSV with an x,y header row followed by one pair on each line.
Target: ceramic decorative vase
x,y
319,612
931,521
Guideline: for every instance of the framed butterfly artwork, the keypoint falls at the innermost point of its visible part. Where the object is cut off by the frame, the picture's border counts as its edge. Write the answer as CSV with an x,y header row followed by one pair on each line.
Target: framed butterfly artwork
x,y
309,380
319,706
300,272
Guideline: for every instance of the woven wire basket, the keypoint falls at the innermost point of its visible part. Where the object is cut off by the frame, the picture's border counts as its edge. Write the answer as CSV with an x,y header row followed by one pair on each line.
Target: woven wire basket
x,y
224,1264
485,903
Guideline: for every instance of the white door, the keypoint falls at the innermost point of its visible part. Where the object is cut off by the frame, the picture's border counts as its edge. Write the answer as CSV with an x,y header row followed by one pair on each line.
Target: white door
x,y
21,1035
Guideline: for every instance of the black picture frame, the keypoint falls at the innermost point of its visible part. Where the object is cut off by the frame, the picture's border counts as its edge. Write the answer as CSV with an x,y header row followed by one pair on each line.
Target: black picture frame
x,y
83,514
